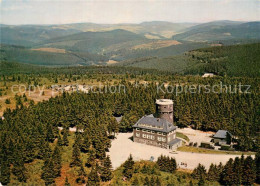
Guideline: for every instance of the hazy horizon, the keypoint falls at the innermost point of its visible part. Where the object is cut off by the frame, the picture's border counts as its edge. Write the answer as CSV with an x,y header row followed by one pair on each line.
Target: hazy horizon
x,y
128,23
45,12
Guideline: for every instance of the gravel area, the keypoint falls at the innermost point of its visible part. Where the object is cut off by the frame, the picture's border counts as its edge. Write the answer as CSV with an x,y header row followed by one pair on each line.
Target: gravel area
x,y
196,135
123,146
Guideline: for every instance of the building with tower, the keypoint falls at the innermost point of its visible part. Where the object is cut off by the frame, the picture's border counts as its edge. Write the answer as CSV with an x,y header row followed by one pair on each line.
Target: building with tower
x,y
158,131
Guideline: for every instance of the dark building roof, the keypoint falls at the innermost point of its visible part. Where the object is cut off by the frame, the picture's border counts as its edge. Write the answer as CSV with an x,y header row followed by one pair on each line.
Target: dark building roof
x,y
156,124
173,142
222,134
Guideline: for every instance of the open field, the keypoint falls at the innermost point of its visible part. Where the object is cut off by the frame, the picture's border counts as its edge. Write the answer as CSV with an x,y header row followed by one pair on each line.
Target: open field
x,y
123,146
111,62
209,151
55,50
157,44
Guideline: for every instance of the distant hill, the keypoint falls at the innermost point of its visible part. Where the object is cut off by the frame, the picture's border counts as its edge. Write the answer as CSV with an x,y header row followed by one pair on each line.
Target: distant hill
x,y
95,41
38,57
96,44
29,35
161,28
221,30
235,60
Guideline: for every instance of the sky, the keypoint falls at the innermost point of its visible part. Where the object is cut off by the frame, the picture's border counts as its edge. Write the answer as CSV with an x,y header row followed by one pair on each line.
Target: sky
x,y
126,11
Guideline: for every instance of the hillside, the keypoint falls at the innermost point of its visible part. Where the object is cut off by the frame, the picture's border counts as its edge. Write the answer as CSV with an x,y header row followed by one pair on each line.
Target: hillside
x,y
236,60
221,30
29,35
38,57
96,48
95,41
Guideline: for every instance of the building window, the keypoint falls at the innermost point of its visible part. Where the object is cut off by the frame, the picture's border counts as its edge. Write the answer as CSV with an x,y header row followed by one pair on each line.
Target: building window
x,y
144,130
137,134
159,133
164,134
164,139
148,131
152,132
144,135
137,129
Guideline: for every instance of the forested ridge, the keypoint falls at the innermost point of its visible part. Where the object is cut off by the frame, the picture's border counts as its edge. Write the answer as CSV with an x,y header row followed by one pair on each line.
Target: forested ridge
x,y
234,60
26,133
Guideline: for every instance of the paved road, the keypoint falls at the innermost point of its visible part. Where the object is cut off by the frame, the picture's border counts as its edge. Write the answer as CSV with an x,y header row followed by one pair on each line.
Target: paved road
x,y
123,146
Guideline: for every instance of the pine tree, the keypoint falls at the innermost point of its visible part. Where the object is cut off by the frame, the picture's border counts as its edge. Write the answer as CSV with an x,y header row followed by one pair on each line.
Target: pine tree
x,y
19,169
48,173
158,181
76,161
81,175
144,169
67,182
238,170
45,151
128,167
91,158
60,142
65,137
249,170
152,182
56,157
257,163
135,182
50,135
146,181
199,172
213,174
201,181
4,171
93,178
100,150
227,174
106,173
172,165
86,142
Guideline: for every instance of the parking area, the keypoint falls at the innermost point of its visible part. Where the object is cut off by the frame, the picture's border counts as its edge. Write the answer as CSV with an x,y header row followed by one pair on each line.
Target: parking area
x,y
123,146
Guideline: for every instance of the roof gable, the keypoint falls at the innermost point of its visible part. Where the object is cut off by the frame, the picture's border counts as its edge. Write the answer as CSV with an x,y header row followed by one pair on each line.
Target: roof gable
x,y
152,123
221,134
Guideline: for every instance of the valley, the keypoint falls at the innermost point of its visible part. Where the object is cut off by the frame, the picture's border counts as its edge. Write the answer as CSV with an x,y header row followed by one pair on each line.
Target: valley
x,y
151,103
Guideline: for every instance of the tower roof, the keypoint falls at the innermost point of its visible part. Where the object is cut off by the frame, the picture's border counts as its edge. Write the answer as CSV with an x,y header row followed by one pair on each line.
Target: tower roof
x,y
164,102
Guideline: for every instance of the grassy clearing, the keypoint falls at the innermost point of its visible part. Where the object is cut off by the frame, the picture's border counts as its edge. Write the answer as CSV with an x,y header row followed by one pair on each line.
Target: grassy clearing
x,y
181,135
209,151
10,88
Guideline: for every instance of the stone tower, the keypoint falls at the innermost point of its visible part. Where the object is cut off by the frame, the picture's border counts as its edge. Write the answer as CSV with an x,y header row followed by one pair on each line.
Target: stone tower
x,y
164,109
